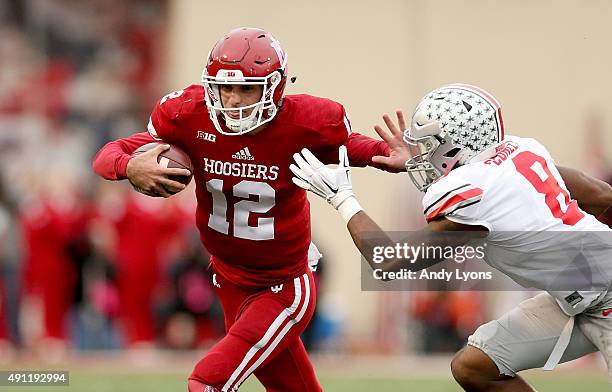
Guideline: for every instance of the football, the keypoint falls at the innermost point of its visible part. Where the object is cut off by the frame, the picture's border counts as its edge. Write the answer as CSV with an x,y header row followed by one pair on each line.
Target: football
x,y
174,157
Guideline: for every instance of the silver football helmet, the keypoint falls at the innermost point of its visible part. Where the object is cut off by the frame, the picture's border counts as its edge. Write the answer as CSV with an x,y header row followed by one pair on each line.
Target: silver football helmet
x,y
450,126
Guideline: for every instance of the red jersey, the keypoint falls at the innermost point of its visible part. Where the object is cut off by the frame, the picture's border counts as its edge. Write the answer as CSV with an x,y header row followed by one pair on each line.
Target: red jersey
x,y
252,219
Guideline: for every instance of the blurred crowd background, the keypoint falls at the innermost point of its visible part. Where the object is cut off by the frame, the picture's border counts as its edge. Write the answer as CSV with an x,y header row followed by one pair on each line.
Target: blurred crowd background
x,y
92,265
86,264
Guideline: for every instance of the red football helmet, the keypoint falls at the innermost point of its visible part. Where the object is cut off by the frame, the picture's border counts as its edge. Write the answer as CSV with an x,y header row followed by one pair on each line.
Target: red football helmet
x,y
245,56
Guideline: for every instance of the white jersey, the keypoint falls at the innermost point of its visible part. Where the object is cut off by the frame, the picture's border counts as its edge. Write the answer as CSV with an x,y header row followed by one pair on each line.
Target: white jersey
x,y
520,197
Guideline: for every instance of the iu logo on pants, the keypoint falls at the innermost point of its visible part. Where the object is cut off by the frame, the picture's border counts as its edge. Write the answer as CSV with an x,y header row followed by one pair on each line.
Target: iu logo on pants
x,y
277,288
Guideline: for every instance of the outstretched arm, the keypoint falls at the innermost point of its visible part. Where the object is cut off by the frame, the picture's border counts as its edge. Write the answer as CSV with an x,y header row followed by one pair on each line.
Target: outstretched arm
x,y
594,196
362,149
367,235
334,185
389,154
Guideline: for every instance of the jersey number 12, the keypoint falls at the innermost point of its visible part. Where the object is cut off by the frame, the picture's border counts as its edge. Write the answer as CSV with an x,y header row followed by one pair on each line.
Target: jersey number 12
x,y
244,189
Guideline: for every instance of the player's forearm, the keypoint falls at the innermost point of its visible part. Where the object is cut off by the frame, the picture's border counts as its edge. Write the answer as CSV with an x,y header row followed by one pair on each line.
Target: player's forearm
x,y
111,161
368,236
362,148
593,195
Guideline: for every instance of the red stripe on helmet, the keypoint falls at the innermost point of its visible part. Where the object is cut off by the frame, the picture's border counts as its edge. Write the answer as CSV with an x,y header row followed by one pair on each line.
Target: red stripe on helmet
x,y
501,125
479,91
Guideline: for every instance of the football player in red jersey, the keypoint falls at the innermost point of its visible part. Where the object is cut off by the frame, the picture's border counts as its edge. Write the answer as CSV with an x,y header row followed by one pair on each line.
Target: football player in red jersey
x,y
241,132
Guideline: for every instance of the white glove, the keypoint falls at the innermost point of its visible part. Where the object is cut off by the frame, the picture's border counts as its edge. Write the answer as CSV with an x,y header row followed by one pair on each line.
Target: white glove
x,y
332,184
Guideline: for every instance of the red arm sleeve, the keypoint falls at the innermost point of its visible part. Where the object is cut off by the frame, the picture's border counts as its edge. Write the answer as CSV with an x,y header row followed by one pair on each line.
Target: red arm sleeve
x,y
362,148
335,131
110,162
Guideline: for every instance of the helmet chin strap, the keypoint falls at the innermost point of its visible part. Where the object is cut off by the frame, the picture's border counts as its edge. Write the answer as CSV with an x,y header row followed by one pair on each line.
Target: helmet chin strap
x,y
241,125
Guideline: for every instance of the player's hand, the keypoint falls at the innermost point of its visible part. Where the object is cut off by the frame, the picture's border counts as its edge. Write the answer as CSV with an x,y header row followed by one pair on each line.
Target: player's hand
x,y
399,150
150,178
332,184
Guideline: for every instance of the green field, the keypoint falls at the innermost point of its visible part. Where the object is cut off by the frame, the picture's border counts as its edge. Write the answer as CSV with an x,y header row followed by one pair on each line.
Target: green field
x,y
173,382
157,371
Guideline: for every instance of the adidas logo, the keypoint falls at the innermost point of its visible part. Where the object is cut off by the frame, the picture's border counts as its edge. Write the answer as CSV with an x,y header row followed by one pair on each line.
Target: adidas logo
x,y
244,154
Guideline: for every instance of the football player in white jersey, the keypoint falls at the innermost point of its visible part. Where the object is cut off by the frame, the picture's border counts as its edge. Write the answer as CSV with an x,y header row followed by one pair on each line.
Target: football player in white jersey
x,y
504,188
